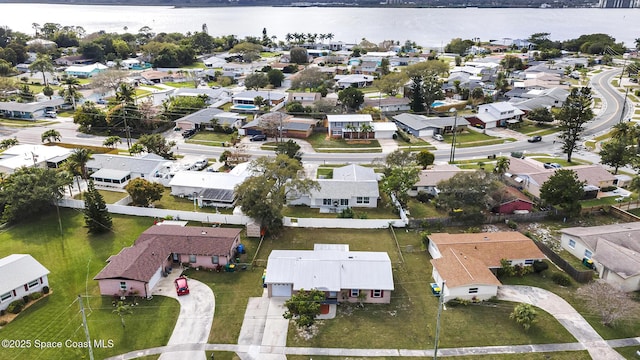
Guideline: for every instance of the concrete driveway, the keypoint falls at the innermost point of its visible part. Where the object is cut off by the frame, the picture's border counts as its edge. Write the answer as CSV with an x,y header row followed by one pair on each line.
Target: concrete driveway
x,y
195,318
565,314
264,329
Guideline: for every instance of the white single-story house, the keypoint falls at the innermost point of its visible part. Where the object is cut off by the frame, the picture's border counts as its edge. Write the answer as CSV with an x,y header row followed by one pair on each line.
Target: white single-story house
x,y
108,170
352,186
85,71
614,250
25,155
354,80
205,118
468,262
388,104
213,95
28,111
44,43
422,126
212,189
20,275
136,269
496,114
214,62
344,276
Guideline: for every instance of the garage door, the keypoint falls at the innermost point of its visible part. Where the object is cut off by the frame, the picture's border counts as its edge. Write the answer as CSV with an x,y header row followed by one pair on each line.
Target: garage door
x,y
281,290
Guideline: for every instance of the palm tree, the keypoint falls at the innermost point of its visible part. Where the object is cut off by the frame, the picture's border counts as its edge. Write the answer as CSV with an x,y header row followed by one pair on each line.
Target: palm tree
x,y
70,91
43,64
50,135
366,129
351,129
112,141
125,93
330,36
637,41
502,165
80,157
288,37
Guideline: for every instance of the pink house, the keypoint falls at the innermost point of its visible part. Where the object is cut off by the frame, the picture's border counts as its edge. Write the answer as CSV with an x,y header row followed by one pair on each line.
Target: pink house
x,y
138,268
343,275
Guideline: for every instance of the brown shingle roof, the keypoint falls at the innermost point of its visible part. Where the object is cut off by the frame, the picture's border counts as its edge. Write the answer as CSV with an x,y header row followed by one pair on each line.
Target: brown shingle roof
x,y
459,269
141,261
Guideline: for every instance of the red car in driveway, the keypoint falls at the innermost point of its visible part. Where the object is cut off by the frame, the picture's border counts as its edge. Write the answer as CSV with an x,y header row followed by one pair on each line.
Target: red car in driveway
x,y
182,288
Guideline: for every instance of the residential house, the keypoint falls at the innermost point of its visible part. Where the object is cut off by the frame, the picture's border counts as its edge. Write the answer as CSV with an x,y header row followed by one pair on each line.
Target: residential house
x,y
614,250
343,275
305,98
382,130
354,80
85,71
20,275
429,179
350,126
495,114
214,62
469,262
25,155
421,126
108,170
207,117
42,43
28,111
509,200
73,60
528,174
244,101
352,186
209,189
388,104
136,269
159,77
534,99
212,95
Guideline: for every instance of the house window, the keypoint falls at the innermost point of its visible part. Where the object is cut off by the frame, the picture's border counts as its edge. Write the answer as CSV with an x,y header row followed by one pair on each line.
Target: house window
x,y
123,285
344,202
377,293
326,202
588,254
572,243
215,259
33,284
528,262
192,258
354,293
473,290
362,200
5,297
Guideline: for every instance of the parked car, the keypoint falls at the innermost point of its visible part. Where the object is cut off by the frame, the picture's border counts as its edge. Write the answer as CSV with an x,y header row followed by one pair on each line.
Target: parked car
x,y
102,102
188,133
438,137
51,114
552,166
258,137
536,138
182,288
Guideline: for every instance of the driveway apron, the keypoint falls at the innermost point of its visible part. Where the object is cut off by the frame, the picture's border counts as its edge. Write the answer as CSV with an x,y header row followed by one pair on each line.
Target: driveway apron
x,y
565,314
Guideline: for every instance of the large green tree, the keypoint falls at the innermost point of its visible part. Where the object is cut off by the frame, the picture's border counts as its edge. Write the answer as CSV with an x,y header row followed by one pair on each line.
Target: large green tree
x,y
256,81
616,153
275,180
540,115
157,144
563,190
96,215
304,307
30,191
89,117
466,194
144,192
574,114
42,64
351,97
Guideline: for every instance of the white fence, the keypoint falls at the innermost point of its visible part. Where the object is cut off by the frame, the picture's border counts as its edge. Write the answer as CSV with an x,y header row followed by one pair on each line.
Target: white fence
x,y
241,219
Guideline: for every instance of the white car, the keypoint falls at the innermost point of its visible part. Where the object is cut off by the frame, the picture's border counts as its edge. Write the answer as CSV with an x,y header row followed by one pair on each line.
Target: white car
x,y
51,114
438,137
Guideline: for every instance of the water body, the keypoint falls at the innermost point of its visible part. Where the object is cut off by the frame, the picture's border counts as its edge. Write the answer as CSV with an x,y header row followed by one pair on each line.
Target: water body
x,y
427,27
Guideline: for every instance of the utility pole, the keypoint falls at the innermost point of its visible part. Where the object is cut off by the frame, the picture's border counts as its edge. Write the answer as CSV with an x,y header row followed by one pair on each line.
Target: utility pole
x,y
86,328
126,128
440,305
452,155
624,105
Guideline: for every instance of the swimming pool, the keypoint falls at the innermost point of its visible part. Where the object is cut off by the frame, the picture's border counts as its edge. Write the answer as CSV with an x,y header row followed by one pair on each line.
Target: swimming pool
x,y
244,107
435,104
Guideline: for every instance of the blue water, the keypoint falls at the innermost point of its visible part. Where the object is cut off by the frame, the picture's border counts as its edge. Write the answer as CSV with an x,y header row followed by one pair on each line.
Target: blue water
x,y
245,107
437,103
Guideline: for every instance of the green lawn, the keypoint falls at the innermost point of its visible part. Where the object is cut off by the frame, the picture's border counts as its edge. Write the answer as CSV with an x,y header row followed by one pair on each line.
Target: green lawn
x,y
472,138
409,320
110,197
322,143
564,355
25,123
562,161
420,210
384,210
531,127
628,352
74,259
326,173
185,84
610,200
211,138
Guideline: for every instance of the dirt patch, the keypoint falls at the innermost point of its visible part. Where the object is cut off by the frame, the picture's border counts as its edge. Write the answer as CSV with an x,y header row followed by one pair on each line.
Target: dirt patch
x,y
357,142
8,317
310,332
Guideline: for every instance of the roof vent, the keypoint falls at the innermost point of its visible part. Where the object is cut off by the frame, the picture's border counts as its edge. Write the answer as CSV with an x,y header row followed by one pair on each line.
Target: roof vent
x,y
204,233
486,238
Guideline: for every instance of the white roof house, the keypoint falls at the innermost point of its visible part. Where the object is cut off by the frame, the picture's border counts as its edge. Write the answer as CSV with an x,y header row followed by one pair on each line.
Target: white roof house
x,y
85,70
20,274
116,170
498,114
331,269
32,155
355,80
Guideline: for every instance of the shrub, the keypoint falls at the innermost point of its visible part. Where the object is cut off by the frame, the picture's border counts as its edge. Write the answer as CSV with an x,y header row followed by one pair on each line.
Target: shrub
x,y
45,290
540,266
458,302
608,188
512,224
26,299
35,296
346,213
517,154
2,312
3,322
15,307
561,279
424,196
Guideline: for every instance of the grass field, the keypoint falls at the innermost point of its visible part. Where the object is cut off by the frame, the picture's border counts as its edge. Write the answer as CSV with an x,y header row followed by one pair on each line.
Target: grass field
x,y
211,138
565,355
322,143
169,201
73,260
628,352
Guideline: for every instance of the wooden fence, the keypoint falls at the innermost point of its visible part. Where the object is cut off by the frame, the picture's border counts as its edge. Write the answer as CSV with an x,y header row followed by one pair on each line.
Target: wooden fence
x,y
578,275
